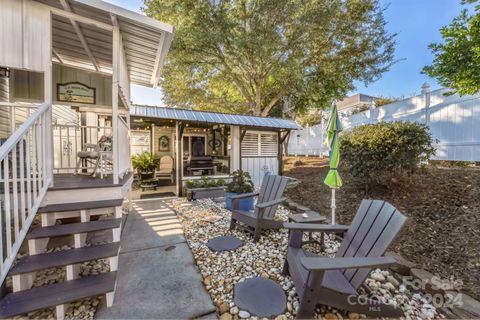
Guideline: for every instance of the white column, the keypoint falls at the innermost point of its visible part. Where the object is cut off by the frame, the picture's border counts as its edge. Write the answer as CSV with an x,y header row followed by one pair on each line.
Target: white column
x,y
235,151
115,64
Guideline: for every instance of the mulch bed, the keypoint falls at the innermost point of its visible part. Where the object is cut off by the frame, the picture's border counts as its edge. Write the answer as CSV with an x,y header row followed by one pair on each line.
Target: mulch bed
x,y
443,205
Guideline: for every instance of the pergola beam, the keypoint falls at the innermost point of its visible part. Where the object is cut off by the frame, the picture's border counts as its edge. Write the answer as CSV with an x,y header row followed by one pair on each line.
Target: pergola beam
x,y
78,31
55,53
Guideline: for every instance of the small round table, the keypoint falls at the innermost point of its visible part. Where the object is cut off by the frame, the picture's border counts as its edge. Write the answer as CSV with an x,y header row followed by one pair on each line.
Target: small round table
x,y
309,217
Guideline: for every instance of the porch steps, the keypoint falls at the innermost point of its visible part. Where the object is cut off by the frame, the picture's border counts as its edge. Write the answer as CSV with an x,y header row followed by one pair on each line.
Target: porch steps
x,y
25,298
57,294
73,206
65,257
73,228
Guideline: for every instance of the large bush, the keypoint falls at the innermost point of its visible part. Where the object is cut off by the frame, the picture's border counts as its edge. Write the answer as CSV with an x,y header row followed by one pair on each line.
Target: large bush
x,y
384,152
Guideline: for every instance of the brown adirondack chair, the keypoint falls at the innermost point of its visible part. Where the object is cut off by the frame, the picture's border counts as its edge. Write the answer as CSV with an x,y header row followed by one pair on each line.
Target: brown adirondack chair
x,y
334,281
269,197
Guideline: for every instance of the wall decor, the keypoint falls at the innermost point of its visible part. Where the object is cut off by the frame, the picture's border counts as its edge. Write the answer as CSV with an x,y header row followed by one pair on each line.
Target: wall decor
x,y
164,144
75,92
214,143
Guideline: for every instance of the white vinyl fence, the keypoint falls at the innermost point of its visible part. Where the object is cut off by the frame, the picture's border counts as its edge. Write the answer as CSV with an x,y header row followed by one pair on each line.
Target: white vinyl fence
x,y
454,123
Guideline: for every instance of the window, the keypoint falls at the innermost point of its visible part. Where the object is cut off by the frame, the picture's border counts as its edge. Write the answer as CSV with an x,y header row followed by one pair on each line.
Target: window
x,y
260,144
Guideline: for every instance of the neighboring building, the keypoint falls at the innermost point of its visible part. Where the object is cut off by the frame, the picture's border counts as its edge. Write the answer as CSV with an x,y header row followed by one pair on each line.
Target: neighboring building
x,y
354,104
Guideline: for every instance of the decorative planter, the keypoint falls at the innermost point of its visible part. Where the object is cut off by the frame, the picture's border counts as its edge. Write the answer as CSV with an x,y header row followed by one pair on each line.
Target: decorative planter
x,y
146,175
202,193
245,204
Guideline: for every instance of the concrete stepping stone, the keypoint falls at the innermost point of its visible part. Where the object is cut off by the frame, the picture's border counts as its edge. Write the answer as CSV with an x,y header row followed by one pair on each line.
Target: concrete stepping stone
x,y
261,297
224,243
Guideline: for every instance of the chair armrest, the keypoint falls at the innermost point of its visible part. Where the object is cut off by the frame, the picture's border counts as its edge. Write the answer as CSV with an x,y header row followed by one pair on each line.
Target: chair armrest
x,y
316,227
244,195
267,204
323,264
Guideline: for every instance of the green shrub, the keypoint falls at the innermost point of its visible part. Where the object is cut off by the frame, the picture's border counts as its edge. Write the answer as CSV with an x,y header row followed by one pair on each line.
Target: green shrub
x,y
145,162
191,184
384,152
220,182
241,182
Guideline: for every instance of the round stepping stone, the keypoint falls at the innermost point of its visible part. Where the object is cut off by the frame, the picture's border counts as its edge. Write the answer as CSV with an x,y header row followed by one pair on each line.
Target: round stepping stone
x,y
261,297
224,243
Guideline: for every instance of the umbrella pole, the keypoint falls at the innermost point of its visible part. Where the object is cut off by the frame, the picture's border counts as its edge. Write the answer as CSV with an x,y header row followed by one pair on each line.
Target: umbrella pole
x,y
333,206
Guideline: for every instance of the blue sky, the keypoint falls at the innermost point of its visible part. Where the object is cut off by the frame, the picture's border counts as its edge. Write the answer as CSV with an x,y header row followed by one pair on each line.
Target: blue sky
x,y
417,23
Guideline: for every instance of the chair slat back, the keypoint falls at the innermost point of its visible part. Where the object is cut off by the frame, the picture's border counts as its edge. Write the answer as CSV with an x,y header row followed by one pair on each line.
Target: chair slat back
x,y
166,163
272,189
372,230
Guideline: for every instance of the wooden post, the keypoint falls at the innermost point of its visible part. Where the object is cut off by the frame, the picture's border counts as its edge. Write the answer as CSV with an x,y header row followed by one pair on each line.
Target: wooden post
x,y
179,157
47,82
115,64
281,140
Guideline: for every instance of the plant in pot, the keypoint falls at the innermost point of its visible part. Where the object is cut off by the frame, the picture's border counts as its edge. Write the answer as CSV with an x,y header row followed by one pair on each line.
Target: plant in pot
x,y
145,165
241,183
206,187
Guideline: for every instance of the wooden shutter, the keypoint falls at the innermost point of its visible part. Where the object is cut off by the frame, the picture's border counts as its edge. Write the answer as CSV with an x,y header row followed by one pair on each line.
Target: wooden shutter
x,y
260,144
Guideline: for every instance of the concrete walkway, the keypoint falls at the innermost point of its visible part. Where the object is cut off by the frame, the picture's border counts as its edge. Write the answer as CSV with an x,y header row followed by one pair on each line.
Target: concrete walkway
x,y
157,277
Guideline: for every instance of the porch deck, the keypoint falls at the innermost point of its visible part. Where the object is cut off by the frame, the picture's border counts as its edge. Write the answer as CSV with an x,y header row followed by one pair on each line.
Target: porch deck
x,y
70,181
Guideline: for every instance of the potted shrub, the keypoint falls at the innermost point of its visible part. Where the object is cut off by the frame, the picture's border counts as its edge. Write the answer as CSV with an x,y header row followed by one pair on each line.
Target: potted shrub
x,y
145,165
241,183
206,187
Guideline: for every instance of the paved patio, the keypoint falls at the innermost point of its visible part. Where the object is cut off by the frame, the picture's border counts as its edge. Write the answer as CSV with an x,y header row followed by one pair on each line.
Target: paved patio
x,y
157,278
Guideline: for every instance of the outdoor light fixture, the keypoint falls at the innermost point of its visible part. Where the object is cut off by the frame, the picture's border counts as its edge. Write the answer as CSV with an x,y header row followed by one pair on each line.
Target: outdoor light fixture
x,y
5,72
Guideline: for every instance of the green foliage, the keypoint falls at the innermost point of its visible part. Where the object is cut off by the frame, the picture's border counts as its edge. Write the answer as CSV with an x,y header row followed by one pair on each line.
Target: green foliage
x,y
241,182
145,162
457,61
204,182
384,152
381,101
244,56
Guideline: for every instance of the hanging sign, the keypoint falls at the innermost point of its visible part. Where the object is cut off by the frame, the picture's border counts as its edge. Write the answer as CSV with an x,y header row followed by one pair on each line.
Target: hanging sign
x,y
75,92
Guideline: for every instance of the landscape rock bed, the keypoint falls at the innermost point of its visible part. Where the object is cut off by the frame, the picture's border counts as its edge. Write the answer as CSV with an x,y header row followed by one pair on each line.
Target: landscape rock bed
x,y
442,204
205,219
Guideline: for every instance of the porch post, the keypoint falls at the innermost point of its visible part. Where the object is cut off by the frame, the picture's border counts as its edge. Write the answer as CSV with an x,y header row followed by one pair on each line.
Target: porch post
x,y
115,144
236,146
178,160
47,82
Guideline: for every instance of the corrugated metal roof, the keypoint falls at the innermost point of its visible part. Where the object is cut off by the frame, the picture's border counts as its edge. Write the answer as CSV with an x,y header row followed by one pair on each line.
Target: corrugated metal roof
x,y
146,41
212,117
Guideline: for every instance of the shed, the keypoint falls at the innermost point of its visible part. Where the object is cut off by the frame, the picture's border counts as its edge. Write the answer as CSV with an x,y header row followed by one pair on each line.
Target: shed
x,y
210,143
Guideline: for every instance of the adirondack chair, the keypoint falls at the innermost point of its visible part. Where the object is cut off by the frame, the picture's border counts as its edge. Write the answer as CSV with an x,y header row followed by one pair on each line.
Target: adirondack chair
x,y
269,197
334,281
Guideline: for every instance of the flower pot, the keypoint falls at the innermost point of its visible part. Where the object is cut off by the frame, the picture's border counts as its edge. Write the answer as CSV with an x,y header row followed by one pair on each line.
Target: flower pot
x,y
202,193
245,204
146,175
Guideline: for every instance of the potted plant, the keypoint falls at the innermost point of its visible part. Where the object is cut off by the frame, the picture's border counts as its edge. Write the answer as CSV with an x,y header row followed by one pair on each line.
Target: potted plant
x,y
241,183
145,165
206,187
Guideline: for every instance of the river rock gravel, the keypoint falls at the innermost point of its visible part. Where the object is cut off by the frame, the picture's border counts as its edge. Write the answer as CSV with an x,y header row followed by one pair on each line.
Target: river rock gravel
x,y
205,219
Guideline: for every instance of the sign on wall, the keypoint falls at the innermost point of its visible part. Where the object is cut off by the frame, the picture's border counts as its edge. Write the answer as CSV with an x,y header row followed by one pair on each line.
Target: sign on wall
x,y
75,92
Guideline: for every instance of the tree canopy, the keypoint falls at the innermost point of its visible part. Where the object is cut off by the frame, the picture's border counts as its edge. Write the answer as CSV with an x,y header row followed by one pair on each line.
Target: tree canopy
x,y
456,62
244,56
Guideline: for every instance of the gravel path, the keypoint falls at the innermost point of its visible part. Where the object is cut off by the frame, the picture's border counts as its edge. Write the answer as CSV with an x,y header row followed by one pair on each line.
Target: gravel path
x,y
205,219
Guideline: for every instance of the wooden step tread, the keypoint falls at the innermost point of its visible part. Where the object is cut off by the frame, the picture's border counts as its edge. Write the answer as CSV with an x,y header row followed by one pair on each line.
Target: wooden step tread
x,y
62,258
73,228
72,206
59,293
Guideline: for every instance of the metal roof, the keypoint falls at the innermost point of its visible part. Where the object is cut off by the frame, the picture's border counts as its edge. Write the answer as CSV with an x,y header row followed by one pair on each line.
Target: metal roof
x,y
212,117
146,41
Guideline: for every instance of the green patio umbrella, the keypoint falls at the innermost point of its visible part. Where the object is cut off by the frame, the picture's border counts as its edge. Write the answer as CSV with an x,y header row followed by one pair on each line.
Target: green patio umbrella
x,y
333,179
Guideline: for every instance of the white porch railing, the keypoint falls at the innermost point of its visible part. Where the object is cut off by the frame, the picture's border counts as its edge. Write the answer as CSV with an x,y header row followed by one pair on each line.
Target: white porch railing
x,y
68,140
25,175
124,162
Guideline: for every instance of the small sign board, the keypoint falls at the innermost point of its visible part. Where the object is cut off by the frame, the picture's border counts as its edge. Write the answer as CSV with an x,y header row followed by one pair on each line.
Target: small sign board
x,y
75,92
